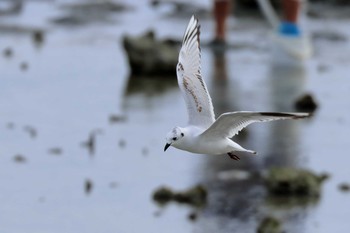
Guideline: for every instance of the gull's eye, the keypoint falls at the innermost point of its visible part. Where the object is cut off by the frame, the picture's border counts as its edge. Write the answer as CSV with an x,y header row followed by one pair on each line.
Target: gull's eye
x,y
174,138
182,134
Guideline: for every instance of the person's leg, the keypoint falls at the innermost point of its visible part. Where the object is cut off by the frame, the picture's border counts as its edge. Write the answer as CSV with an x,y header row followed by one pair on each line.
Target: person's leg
x,y
290,10
222,10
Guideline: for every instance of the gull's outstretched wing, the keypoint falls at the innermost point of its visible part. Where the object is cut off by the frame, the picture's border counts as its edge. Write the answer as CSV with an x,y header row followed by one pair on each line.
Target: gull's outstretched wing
x,y
199,105
229,124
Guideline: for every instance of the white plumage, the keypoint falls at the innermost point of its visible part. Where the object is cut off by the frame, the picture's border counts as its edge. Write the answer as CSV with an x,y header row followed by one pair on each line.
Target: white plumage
x,y
194,90
203,134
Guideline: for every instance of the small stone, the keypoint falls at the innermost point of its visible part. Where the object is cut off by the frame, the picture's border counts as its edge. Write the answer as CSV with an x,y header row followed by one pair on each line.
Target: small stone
x,y
19,158
196,196
344,187
38,37
157,213
193,216
55,151
145,151
305,103
113,184
322,68
163,195
7,52
116,119
270,225
121,143
31,131
88,186
23,66
10,125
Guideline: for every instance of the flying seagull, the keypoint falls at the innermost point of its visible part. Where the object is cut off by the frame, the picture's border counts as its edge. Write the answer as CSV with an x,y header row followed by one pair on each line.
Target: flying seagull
x,y
204,134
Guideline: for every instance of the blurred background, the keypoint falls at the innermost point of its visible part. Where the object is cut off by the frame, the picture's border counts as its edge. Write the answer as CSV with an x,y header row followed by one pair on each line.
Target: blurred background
x,y
88,91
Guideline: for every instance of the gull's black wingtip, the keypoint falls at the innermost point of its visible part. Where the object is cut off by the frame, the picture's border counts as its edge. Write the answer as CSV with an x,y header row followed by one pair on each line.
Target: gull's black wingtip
x,y
286,114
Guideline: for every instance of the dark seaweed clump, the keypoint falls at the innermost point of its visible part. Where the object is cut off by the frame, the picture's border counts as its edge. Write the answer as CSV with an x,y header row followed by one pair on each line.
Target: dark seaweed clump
x,y
196,196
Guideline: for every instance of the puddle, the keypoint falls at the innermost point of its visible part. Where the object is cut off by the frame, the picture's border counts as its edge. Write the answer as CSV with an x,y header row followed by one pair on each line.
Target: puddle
x,y
77,82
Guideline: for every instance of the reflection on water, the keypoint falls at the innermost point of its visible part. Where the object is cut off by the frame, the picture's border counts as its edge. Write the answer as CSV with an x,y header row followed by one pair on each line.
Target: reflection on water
x,y
287,84
227,208
144,92
225,94
241,204
150,85
75,81
14,8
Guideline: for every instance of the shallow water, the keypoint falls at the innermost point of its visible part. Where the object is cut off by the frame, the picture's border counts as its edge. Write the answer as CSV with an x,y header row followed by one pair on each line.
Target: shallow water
x,y
78,77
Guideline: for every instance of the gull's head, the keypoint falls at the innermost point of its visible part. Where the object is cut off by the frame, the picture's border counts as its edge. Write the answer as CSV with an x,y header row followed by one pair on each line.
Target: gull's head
x,y
173,137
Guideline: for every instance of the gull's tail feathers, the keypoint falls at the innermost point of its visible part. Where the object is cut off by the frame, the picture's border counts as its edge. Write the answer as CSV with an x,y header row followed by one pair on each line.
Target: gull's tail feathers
x,y
250,151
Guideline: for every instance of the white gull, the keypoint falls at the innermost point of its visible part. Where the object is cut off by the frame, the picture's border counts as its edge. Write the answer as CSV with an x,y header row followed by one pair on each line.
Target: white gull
x,y
204,134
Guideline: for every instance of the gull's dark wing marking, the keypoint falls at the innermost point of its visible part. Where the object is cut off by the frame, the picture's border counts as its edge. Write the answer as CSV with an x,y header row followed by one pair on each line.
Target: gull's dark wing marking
x,y
229,124
198,101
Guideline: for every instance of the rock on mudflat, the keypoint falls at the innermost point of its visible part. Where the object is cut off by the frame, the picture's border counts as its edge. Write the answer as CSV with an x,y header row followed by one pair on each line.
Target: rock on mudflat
x,y
7,52
306,103
294,182
344,187
270,225
23,66
38,37
196,196
192,216
149,56
88,185
114,118
31,131
19,158
55,151
163,195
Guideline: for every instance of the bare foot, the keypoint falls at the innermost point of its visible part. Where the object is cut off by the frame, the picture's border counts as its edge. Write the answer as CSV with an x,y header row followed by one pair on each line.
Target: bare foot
x,y
233,156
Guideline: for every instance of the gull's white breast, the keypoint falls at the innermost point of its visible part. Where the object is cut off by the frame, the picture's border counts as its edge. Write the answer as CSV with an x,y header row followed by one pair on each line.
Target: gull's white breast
x,y
200,145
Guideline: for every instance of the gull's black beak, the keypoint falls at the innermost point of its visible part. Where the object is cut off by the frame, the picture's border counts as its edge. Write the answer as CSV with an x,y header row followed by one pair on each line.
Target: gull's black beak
x,y
166,146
